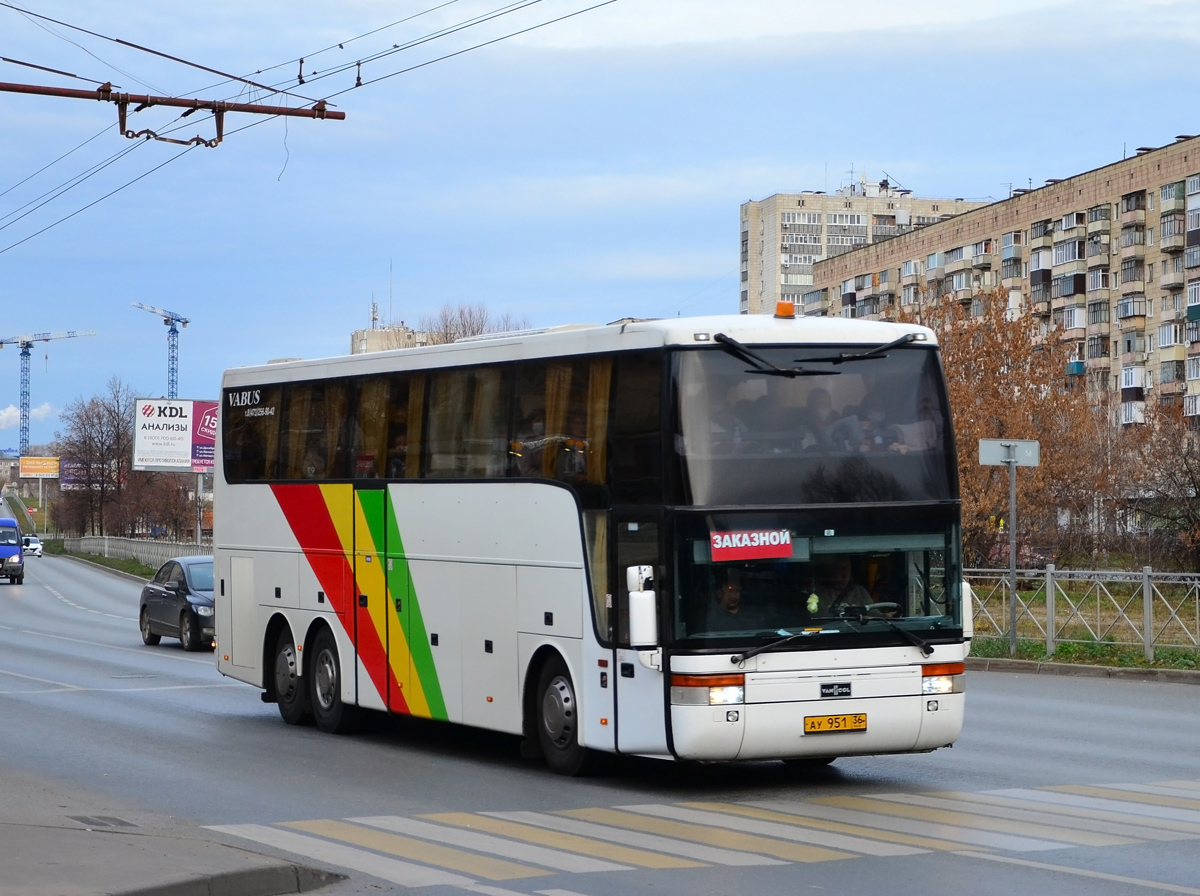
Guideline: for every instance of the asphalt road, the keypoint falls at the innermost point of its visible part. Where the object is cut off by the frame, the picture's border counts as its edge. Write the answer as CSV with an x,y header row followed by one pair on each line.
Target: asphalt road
x,y
1064,785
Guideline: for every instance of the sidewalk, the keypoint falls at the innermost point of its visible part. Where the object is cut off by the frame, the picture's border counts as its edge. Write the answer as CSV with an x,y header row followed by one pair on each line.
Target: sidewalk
x,y
55,841
1082,670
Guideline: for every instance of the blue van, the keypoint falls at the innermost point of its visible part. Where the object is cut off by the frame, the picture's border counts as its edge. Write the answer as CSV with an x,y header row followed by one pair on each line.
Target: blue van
x,y
12,561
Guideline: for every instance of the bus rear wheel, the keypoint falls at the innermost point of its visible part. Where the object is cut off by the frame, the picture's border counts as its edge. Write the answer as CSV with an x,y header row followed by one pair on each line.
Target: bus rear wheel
x,y
558,722
325,680
290,693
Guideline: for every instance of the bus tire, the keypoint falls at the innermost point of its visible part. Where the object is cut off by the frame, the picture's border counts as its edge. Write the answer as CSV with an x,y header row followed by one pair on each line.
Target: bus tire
x,y
325,683
558,721
291,695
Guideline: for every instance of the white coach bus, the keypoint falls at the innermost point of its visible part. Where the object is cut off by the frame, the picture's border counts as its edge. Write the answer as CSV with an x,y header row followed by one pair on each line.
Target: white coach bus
x,y
718,539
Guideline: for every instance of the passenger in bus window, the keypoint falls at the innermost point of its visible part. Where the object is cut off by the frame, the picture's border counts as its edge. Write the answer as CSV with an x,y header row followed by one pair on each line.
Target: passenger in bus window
x,y
571,462
729,610
398,456
530,446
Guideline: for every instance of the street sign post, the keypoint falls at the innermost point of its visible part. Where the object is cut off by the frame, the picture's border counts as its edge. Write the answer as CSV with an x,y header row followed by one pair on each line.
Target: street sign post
x,y
1011,453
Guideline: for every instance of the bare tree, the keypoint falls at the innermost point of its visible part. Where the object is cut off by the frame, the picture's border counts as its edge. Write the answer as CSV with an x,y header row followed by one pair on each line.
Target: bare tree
x,y
453,322
97,450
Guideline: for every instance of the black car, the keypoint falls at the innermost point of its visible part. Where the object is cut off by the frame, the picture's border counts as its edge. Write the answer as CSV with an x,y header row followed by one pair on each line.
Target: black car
x,y
178,603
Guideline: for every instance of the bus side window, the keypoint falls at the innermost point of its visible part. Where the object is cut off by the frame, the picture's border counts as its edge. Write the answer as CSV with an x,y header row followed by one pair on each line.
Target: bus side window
x,y
637,429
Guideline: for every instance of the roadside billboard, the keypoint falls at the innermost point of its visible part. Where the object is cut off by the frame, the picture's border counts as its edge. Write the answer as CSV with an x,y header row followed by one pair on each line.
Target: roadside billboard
x,y
39,468
174,435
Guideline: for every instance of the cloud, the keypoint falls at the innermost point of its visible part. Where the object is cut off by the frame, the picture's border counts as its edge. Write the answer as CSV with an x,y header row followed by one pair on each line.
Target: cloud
x,y
11,415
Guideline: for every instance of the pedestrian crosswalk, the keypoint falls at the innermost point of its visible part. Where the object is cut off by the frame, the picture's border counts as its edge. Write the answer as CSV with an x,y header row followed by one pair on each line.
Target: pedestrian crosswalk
x,y
507,853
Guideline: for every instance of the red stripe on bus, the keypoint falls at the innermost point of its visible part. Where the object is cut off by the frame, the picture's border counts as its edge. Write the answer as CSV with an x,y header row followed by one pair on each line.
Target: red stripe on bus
x,y
308,516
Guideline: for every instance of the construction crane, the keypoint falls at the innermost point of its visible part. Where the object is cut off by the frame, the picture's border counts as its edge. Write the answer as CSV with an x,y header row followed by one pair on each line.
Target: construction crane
x,y
170,318
26,343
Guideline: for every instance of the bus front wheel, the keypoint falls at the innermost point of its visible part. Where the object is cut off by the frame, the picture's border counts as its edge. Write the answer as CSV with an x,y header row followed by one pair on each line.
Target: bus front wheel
x,y
558,721
290,693
325,679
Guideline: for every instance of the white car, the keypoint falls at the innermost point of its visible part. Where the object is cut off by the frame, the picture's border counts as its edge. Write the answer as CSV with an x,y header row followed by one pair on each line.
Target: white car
x,y
31,544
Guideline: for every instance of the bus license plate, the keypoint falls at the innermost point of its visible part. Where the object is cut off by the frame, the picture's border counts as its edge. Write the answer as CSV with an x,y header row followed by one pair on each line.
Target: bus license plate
x,y
826,724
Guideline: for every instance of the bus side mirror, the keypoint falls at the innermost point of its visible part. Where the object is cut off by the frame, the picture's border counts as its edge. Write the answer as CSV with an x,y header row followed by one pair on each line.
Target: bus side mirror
x,y
643,608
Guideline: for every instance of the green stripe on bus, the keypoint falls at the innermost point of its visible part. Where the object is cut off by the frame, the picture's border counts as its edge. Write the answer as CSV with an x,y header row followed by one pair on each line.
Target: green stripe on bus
x,y
414,625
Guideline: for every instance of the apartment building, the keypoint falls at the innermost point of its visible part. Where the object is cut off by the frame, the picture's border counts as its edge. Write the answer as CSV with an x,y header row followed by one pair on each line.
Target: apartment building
x,y
784,235
1108,260
382,339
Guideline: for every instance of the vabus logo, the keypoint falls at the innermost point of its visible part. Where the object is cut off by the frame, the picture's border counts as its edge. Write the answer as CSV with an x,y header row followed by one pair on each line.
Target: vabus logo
x,y
147,410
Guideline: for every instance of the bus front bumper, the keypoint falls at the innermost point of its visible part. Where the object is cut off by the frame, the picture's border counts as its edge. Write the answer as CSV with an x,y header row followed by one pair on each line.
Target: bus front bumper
x,y
817,728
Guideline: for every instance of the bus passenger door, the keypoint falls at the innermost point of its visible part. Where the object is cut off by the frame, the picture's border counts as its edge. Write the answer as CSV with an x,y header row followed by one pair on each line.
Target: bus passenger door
x,y
640,691
382,597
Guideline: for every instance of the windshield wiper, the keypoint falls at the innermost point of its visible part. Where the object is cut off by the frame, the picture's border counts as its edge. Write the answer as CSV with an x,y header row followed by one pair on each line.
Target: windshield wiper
x,y
788,638
761,364
924,646
875,352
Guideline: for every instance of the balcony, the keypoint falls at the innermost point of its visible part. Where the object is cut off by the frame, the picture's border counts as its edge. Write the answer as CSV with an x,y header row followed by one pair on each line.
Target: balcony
x,y
1133,286
1098,364
953,267
1046,241
1137,250
1101,329
1104,225
1171,280
1075,368
1173,243
1078,266
1011,252
983,261
1134,216
1041,308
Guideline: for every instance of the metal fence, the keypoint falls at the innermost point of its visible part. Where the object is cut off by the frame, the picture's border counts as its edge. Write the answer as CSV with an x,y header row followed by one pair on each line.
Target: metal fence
x,y
1144,609
152,553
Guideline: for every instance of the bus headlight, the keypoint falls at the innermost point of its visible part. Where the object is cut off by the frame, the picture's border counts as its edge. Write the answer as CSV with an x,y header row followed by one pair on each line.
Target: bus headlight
x,y
942,678
708,690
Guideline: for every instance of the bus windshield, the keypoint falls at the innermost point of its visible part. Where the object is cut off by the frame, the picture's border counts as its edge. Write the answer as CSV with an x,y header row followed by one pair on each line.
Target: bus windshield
x,y
869,429
764,575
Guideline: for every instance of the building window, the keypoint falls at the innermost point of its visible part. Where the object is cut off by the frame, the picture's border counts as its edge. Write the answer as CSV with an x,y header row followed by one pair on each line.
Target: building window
x,y
1099,213
1193,293
1131,306
1132,202
1132,270
910,269
954,255
1068,251
1010,268
1013,238
1039,229
1133,235
1097,347
1098,278
1097,312
1072,219
1170,334
1193,185
1191,257
908,295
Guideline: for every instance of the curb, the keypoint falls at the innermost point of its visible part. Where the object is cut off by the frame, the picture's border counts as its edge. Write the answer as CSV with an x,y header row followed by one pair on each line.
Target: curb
x,y
1076,670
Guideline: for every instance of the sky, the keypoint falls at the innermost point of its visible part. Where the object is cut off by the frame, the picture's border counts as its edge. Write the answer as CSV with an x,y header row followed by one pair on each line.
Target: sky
x,y
580,172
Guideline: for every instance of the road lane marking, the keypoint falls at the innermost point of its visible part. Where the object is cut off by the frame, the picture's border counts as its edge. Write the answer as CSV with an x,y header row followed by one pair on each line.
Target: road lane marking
x,y
1179,819
1039,815
1117,793
560,840
58,685
557,893
1147,828
1164,789
780,849
417,850
140,651
71,603
704,814
452,836
705,854
960,815
1081,872
1185,785
766,811
394,871
946,832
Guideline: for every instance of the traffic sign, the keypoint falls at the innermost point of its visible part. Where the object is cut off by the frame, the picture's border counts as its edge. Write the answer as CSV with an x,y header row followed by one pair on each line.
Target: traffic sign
x,y
999,452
